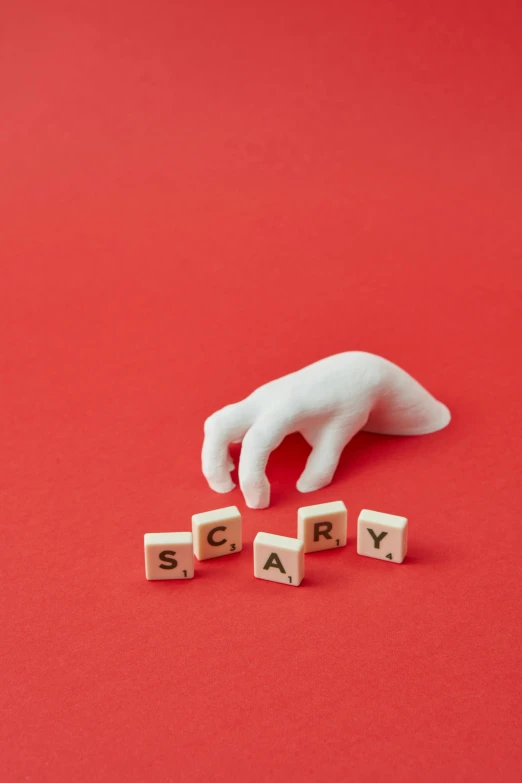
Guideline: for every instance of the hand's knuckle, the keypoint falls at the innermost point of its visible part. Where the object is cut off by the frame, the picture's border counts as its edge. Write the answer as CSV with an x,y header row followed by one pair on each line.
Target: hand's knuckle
x,y
220,420
212,424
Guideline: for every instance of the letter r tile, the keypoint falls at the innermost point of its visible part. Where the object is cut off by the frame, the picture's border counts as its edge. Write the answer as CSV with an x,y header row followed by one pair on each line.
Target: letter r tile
x,y
322,526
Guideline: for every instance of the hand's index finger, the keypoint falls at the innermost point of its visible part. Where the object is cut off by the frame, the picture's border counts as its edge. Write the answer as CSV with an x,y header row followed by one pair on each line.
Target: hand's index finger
x,y
265,435
221,429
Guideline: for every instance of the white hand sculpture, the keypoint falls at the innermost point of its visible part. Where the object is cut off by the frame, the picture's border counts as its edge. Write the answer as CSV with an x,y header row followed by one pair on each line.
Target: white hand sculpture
x,y
328,402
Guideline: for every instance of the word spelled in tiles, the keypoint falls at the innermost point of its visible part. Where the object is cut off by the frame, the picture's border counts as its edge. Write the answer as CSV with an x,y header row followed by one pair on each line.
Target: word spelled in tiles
x,y
276,558
323,526
279,559
169,556
217,533
383,536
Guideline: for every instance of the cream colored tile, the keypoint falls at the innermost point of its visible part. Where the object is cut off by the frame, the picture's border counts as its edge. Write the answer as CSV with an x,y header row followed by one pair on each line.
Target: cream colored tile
x,y
322,526
169,556
217,533
383,536
278,559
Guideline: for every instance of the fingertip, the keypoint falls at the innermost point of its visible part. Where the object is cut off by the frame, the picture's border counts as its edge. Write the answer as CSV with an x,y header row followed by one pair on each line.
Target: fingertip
x,y
305,485
257,496
257,503
222,487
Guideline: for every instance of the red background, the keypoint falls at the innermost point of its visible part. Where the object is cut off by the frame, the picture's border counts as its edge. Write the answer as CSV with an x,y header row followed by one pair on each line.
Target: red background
x,y
197,197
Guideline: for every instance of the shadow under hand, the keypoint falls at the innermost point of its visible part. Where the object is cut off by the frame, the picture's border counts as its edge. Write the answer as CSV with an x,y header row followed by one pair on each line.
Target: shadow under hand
x,y
288,461
366,451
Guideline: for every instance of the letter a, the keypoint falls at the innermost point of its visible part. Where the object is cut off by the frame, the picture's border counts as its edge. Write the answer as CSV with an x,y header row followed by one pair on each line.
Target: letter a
x,y
274,562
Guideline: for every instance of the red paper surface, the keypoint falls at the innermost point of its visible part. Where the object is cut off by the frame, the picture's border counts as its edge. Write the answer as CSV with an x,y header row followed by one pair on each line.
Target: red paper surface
x,y
197,197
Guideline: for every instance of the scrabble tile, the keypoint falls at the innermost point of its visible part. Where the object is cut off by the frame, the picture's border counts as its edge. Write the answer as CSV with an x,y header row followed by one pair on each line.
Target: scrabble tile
x,y
217,533
322,526
383,536
169,556
278,559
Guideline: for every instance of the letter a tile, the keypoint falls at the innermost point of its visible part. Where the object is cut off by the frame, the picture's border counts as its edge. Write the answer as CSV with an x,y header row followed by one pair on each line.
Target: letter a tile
x,y
278,559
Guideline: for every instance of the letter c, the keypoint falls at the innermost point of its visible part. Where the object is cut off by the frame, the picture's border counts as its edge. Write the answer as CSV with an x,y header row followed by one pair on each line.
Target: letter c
x,y
210,538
